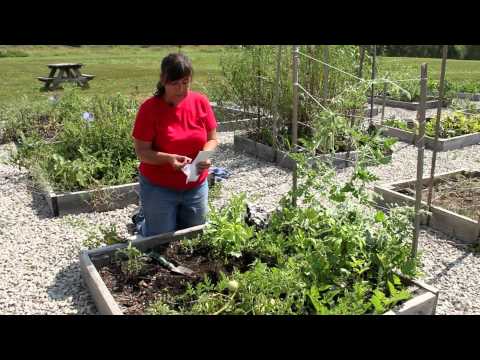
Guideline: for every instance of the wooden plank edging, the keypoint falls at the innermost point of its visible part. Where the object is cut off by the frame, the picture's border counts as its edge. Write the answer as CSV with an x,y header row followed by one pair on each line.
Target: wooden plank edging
x,y
429,104
444,144
283,159
423,304
102,297
462,228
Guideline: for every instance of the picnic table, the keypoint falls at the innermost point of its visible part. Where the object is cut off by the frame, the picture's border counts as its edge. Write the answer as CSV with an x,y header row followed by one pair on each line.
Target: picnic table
x,y
65,72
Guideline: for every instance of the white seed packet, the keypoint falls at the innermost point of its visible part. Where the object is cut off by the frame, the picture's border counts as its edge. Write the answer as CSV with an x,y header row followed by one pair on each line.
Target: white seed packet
x,y
191,171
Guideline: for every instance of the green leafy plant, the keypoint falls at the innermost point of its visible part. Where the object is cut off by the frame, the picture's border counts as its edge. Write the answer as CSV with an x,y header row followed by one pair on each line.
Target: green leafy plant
x,y
472,87
261,290
214,192
12,53
331,255
409,91
248,80
92,241
451,125
72,150
455,124
108,236
160,308
227,234
399,124
131,260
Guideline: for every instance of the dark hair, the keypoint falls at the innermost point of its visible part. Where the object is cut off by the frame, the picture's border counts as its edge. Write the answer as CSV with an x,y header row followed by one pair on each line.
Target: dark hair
x,y
174,67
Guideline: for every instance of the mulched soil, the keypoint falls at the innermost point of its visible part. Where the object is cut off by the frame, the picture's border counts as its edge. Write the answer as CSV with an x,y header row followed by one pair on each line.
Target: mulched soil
x,y
135,295
458,193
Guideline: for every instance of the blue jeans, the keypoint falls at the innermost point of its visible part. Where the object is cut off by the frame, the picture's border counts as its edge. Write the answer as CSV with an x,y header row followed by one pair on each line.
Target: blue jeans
x,y
165,210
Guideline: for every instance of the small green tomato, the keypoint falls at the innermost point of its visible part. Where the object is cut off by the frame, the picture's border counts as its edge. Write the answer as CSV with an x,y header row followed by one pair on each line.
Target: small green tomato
x,y
232,285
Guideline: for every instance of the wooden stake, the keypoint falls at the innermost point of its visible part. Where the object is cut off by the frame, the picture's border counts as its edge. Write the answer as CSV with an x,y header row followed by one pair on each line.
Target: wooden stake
x,y
259,88
478,234
295,117
362,58
276,96
373,78
384,101
421,149
325,72
437,126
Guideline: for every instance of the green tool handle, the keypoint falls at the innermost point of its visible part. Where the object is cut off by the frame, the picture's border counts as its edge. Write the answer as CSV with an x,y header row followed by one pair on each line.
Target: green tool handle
x,y
161,260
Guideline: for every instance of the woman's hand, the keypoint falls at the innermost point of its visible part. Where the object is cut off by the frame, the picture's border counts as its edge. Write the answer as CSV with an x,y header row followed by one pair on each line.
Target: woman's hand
x,y
203,165
179,161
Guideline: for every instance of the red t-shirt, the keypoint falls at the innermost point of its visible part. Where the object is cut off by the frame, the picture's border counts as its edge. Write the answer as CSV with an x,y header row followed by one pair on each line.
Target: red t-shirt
x,y
180,129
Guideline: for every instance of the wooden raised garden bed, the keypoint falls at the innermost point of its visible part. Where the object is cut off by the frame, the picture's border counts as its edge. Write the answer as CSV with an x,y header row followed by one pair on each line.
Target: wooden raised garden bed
x,y
104,199
230,118
242,143
93,263
375,111
429,104
469,96
453,143
455,209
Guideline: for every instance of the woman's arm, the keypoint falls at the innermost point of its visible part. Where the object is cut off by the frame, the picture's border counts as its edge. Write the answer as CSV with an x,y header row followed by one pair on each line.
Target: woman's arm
x,y
212,140
146,154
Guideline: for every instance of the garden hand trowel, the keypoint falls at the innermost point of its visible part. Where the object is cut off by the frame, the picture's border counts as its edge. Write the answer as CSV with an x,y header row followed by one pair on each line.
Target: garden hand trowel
x,y
164,262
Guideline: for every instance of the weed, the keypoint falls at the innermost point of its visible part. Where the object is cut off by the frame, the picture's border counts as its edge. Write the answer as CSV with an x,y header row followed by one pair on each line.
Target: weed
x,y
131,260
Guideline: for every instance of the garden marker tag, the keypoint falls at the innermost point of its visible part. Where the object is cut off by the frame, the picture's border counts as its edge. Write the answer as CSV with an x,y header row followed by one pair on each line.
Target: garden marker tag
x,y
190,170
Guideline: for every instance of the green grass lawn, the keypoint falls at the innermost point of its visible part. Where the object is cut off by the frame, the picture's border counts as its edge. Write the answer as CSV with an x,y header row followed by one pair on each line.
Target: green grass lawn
x,y
125,69
457,70
135,69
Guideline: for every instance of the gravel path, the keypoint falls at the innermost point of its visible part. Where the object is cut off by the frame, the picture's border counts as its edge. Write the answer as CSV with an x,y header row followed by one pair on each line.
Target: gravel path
x,y
39,271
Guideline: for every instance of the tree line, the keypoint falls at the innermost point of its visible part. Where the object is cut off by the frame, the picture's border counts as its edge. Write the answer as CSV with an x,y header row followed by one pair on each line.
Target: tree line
x,y
464,52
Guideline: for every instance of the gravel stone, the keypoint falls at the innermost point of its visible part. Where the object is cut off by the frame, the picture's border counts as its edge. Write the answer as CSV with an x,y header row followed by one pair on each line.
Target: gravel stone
x,y
39,267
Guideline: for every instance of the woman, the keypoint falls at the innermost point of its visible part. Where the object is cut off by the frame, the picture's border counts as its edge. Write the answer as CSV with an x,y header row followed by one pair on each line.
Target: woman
x,y
170,129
